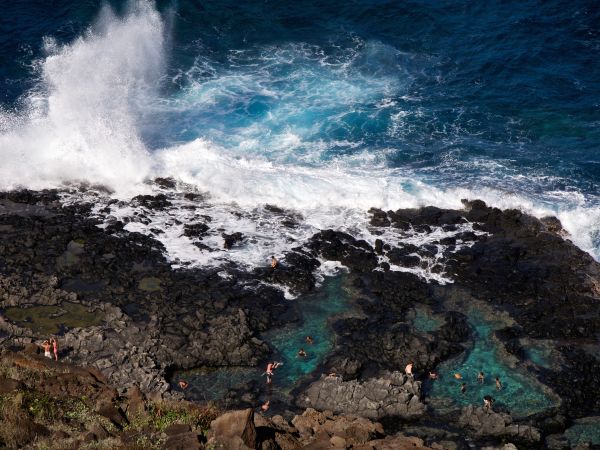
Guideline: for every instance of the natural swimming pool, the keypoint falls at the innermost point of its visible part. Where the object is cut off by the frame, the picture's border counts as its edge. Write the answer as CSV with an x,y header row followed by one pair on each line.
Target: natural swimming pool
x,y
520,393
317,309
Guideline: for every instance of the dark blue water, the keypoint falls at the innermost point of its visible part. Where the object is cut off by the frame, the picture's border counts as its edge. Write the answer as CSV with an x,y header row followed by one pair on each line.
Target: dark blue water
x,y
499,100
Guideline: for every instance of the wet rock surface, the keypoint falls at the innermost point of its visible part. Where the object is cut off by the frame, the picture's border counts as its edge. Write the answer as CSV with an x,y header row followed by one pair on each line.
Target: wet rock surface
x,y
156,319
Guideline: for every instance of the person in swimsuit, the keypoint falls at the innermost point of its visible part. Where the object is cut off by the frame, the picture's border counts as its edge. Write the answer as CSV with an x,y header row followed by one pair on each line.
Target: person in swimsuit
x,y
269,372
463,388
488,401
408,369
274,262
55,348
498,384
183,384
302,353
46,346
309,340
265,406
480,378
433,375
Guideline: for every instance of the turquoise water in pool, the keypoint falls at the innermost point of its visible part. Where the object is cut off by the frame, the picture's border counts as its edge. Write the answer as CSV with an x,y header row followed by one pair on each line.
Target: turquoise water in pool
x,y
425,322
521,394
316,309
584,430
539,353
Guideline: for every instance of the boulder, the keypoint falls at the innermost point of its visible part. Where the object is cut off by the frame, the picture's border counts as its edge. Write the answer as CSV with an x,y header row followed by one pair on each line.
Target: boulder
x,y
234,430
396,396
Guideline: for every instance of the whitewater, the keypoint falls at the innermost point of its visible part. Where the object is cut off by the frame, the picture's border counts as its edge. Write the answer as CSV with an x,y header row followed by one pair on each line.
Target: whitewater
x,y
310,129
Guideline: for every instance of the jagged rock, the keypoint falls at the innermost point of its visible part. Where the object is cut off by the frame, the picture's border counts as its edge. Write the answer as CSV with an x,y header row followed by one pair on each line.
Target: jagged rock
x,y
485,422
375,398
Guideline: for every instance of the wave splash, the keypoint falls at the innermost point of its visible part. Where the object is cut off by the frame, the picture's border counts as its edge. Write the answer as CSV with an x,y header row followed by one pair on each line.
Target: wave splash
x,y
80,122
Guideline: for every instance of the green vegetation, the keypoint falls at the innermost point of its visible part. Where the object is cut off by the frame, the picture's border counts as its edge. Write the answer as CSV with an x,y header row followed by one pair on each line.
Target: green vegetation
x,y
47,320
31,417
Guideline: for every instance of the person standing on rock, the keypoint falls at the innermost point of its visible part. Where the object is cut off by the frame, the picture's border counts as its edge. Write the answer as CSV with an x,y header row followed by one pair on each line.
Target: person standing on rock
x,y
274,262
46,346
269,372
54,342
488,401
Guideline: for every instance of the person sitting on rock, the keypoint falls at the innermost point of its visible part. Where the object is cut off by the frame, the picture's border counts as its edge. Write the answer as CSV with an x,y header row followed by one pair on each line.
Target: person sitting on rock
x,y
498,384
46,346
408,369
302,353
183,384
274,262
309,340
480,378
265,406
332,374
463,388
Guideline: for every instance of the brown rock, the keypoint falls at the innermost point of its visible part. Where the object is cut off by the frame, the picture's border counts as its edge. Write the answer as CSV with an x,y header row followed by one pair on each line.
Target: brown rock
x,y
320,442
235,430
337,442
8,385
135,404
115,415
177,428
184,441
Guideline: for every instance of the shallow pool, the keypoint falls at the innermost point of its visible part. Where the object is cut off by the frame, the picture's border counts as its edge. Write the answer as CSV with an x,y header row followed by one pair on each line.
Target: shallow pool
x,y
520,393
584,430
316,309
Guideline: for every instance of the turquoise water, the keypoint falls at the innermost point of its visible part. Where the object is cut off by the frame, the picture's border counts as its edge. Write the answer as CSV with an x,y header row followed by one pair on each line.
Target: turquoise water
x,y
316,310
584,430
521,394
539,354
425,322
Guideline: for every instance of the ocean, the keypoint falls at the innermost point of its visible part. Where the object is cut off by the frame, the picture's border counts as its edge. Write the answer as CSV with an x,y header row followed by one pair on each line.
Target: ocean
x,y
322,108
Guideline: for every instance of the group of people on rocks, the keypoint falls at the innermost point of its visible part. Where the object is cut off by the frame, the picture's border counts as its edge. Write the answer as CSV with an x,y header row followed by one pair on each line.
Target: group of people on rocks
x,y
50,347
487,400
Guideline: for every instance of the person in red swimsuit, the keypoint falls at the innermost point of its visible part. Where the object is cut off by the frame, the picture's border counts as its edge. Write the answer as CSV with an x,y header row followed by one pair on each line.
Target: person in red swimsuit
x,y
55,348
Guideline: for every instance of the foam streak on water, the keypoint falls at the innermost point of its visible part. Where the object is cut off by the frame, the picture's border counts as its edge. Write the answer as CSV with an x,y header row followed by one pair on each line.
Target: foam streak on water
x,y
326,130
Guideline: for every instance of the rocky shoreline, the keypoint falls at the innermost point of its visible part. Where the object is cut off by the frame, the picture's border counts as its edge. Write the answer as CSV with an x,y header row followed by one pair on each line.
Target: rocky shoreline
x,y
154,320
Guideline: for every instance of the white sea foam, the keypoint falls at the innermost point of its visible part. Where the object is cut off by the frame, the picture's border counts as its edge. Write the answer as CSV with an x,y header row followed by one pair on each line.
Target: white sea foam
x,y
100,95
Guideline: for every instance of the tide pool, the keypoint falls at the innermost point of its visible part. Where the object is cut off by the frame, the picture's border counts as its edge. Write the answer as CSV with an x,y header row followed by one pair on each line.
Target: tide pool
x,y
520,394
424,321
584,430
316,309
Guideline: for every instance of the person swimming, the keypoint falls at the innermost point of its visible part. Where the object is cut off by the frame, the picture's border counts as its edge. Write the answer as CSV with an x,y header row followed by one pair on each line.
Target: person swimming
x,y
309,340
458,376
480,378
498,384
302,353
463,388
